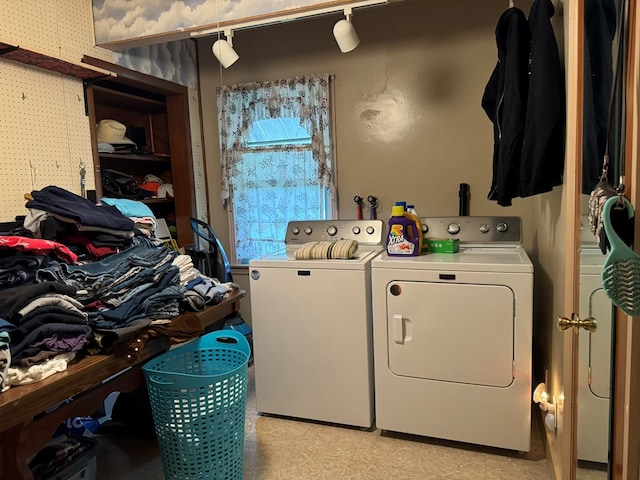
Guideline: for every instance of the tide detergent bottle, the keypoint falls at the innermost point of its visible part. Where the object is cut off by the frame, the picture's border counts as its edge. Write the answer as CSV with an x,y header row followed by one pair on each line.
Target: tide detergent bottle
x,y
405,234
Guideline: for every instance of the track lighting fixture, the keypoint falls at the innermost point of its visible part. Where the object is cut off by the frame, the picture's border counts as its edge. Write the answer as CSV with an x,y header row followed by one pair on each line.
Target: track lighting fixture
x,y
345,34
223,50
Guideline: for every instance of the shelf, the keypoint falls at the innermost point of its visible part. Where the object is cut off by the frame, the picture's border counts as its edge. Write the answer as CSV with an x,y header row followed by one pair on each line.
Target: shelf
x,y
156,201
135,157
53,64
110,96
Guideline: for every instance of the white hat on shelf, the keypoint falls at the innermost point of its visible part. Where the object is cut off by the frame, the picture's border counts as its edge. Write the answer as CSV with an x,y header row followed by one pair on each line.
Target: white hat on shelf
x,y
112,132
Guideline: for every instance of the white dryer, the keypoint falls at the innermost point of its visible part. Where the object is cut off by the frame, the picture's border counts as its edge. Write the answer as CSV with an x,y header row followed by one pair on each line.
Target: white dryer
x,y
594,359
453,336
312,326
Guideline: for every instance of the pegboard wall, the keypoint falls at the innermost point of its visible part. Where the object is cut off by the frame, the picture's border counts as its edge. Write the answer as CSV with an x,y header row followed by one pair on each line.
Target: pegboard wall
x,y
45,135
44,131
199,174
60,29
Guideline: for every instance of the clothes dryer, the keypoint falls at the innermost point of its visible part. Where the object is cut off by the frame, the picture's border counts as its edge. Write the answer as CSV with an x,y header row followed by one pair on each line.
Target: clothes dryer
x,y
453,336
594,357
312,326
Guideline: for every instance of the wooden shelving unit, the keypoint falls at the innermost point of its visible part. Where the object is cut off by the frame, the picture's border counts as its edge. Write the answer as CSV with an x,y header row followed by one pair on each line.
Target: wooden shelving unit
x,y
134,99
160,108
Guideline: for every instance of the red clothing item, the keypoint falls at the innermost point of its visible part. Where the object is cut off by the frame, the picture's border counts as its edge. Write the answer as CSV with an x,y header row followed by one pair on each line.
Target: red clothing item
x,y
93,250
38,247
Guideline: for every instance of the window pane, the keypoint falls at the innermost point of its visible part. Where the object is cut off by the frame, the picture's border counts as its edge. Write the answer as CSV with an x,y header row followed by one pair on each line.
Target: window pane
x,y
270,188
278,131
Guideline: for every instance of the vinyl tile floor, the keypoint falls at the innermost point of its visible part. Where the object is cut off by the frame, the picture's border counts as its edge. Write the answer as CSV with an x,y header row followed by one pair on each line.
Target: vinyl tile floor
x,y
286,449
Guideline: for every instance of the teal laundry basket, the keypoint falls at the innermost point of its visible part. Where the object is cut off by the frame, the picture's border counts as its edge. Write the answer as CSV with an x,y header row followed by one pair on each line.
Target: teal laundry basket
x,y
198,395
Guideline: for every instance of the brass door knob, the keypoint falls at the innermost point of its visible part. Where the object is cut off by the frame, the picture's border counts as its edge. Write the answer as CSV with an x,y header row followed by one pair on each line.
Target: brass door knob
x,y
589,324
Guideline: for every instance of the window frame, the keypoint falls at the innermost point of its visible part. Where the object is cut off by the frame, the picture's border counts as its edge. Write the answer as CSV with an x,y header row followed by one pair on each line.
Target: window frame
x,y
331,200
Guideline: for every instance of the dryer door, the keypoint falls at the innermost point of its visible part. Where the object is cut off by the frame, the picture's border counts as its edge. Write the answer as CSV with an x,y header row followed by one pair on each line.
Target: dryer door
x,y
600,343
451,332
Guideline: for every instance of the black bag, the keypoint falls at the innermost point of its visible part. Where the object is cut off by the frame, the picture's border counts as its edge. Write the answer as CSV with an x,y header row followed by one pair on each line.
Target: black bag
x,y
117,184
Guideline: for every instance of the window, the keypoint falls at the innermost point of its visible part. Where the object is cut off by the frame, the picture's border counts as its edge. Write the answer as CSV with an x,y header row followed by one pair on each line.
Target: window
x,y
277,160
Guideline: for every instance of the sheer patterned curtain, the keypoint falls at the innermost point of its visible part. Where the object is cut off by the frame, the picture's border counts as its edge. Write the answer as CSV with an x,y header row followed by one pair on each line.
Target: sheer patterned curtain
x,y
278,181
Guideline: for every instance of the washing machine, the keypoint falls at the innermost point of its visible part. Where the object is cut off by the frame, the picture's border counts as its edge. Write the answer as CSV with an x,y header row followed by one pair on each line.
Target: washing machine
x,y
312,326
594,355
453,336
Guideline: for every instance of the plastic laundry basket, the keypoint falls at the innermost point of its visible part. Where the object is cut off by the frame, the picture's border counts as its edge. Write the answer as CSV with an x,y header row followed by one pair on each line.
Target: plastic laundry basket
x,y
198,395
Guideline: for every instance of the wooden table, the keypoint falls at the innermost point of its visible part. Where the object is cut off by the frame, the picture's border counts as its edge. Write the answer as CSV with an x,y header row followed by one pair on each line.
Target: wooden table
x,y
25,427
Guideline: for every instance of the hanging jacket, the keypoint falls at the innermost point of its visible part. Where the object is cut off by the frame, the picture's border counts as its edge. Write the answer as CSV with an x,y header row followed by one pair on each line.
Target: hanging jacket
x,y
505,102
543,146
599,32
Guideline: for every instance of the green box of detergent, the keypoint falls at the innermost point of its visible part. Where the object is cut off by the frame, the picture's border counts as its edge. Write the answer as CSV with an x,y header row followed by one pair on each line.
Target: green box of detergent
x,y
441,245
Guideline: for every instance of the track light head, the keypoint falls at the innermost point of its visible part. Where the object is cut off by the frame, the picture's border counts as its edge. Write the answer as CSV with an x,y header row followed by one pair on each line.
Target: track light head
x,y
345,34
223,50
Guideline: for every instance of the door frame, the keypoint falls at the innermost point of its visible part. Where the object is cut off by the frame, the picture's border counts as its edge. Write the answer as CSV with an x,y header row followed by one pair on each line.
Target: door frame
x,y
574,48
626,421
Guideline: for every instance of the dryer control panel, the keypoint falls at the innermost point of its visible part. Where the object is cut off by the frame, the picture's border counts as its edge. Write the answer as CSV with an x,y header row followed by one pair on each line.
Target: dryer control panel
x,y
492,230
366,232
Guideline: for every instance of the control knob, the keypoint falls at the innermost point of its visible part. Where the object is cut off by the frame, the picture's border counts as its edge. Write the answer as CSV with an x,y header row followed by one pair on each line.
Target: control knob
x,y
502,227
308,230
484,228
295,230
370,230
355,230
332,230
453,228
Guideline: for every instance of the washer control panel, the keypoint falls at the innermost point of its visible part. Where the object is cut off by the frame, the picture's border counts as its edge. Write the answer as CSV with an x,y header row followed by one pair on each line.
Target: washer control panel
x,y
366,232
474,229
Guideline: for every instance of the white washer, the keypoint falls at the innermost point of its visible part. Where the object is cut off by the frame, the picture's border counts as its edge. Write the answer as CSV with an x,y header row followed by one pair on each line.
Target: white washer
x,y
453,336
312,326
594,370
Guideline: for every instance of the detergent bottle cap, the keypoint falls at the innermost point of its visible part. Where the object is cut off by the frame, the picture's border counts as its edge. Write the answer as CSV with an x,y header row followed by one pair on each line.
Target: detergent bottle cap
x,y
402,204
397,211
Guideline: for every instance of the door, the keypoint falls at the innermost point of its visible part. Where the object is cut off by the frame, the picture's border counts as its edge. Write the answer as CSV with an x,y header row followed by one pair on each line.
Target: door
x,y
623,433
421,332
566,413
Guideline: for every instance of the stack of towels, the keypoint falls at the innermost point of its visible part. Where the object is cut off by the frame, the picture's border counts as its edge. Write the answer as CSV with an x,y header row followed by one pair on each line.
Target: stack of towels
x,y
327,249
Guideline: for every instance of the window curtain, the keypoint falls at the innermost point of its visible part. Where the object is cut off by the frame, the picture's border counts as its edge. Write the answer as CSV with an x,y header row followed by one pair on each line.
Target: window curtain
x,y
306,97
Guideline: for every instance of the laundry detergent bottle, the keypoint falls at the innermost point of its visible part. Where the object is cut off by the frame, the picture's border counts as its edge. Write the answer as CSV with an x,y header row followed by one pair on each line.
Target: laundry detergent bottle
x,y
410,212
404,237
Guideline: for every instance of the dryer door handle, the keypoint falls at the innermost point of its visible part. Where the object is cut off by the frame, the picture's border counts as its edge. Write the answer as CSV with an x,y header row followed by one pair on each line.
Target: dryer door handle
x,y
398,328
